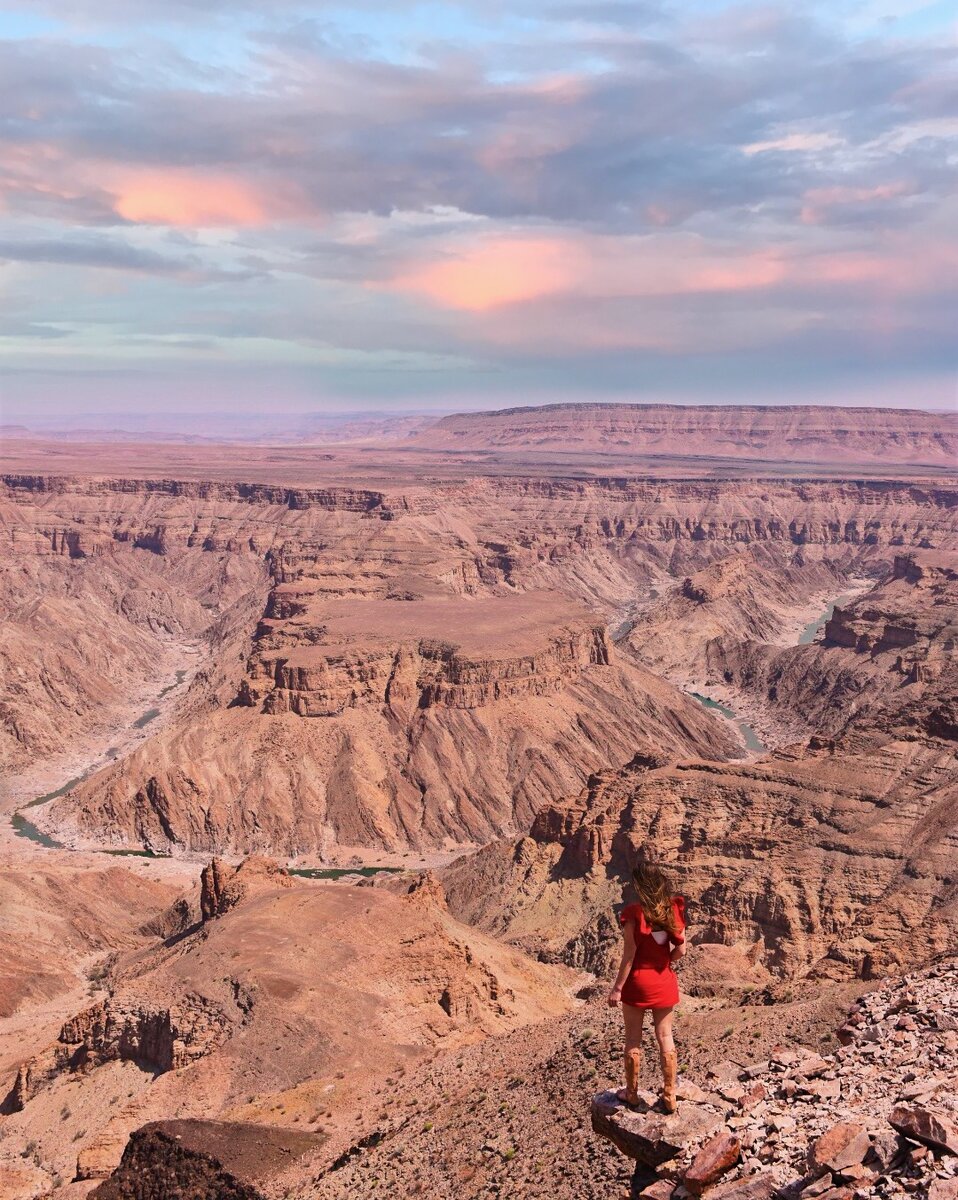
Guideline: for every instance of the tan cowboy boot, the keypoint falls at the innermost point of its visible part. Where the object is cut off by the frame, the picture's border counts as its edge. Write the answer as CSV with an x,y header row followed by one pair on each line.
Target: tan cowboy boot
x,y
669,1072
633,1066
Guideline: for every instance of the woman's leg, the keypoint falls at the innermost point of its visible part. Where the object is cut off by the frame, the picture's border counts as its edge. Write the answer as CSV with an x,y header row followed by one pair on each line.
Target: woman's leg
x,y
662,1019
634,1018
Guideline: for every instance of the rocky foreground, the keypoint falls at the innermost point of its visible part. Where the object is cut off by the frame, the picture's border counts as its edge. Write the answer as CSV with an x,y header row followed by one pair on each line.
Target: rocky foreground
x,y
878,1117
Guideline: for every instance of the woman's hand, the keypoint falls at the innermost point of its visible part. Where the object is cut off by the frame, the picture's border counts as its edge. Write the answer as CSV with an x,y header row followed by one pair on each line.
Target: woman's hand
x,y
615,997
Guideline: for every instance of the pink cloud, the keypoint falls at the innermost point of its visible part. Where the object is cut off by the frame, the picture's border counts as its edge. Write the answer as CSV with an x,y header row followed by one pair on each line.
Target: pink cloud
x,y
43,175
483,274
192,198
818,201
495,272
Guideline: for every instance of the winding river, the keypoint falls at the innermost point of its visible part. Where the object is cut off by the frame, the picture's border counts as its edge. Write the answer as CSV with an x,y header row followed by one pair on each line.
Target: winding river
x,y
809,635
23,827
749,736
814,628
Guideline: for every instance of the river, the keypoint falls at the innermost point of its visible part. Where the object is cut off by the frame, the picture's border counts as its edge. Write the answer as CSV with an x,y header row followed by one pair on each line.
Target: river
x,y
23,827
814,628
808,635
749,736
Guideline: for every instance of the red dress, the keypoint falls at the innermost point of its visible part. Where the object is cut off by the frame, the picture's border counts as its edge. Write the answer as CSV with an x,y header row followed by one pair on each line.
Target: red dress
x,y
652,983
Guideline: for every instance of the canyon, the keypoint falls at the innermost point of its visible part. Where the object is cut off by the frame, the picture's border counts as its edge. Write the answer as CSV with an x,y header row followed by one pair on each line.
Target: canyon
x,y
324,769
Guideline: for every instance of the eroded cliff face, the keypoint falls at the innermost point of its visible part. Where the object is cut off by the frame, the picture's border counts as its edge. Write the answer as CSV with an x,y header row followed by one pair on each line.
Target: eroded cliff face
x,y
830,865
884,661
319,658
134,1029
424,666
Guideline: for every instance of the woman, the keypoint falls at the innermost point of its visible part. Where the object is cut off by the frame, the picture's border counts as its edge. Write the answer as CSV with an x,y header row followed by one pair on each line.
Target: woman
x,y
654,931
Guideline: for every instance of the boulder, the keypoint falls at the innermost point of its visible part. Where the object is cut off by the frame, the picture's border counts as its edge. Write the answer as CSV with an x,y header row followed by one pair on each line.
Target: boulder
x,y
844,1145
647,1135
812,1066
754,1095
817,1187
933,1129
718,1155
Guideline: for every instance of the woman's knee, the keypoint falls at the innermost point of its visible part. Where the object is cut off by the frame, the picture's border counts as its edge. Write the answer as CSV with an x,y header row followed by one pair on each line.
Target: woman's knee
x,y
663,1032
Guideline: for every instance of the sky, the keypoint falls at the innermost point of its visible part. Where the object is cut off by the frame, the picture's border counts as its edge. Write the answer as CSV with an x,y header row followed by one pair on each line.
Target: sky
x,y
253,207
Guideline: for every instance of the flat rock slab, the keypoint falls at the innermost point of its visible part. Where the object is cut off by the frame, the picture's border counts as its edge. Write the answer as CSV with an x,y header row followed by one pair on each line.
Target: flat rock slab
x,y
934,1129
647,1135
182,1160
758,1187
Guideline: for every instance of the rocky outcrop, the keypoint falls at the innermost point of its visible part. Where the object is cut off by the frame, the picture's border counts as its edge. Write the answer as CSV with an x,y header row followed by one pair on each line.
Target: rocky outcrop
x,y
810,1125
426,674
128,1029
916,611
222,887
647,1134
181,1160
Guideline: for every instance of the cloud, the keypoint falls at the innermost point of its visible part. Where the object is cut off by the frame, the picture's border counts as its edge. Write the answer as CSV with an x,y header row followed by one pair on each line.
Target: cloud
x,y
535,184
818,204
795,143
189,198
496,272
112,253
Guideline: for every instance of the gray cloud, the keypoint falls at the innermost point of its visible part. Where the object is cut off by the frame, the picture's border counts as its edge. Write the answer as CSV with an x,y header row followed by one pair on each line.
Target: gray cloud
x,y
114,254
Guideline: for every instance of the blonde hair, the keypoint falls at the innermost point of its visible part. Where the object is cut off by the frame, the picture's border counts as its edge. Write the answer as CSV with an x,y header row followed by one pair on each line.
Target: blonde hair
x,y
654,891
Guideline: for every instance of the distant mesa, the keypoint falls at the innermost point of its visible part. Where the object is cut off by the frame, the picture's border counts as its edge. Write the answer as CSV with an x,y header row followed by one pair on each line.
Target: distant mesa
x,y
772,433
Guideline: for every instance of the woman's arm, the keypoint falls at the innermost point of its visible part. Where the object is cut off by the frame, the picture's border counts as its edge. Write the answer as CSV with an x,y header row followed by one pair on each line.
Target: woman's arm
x,y
625,964
678,938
